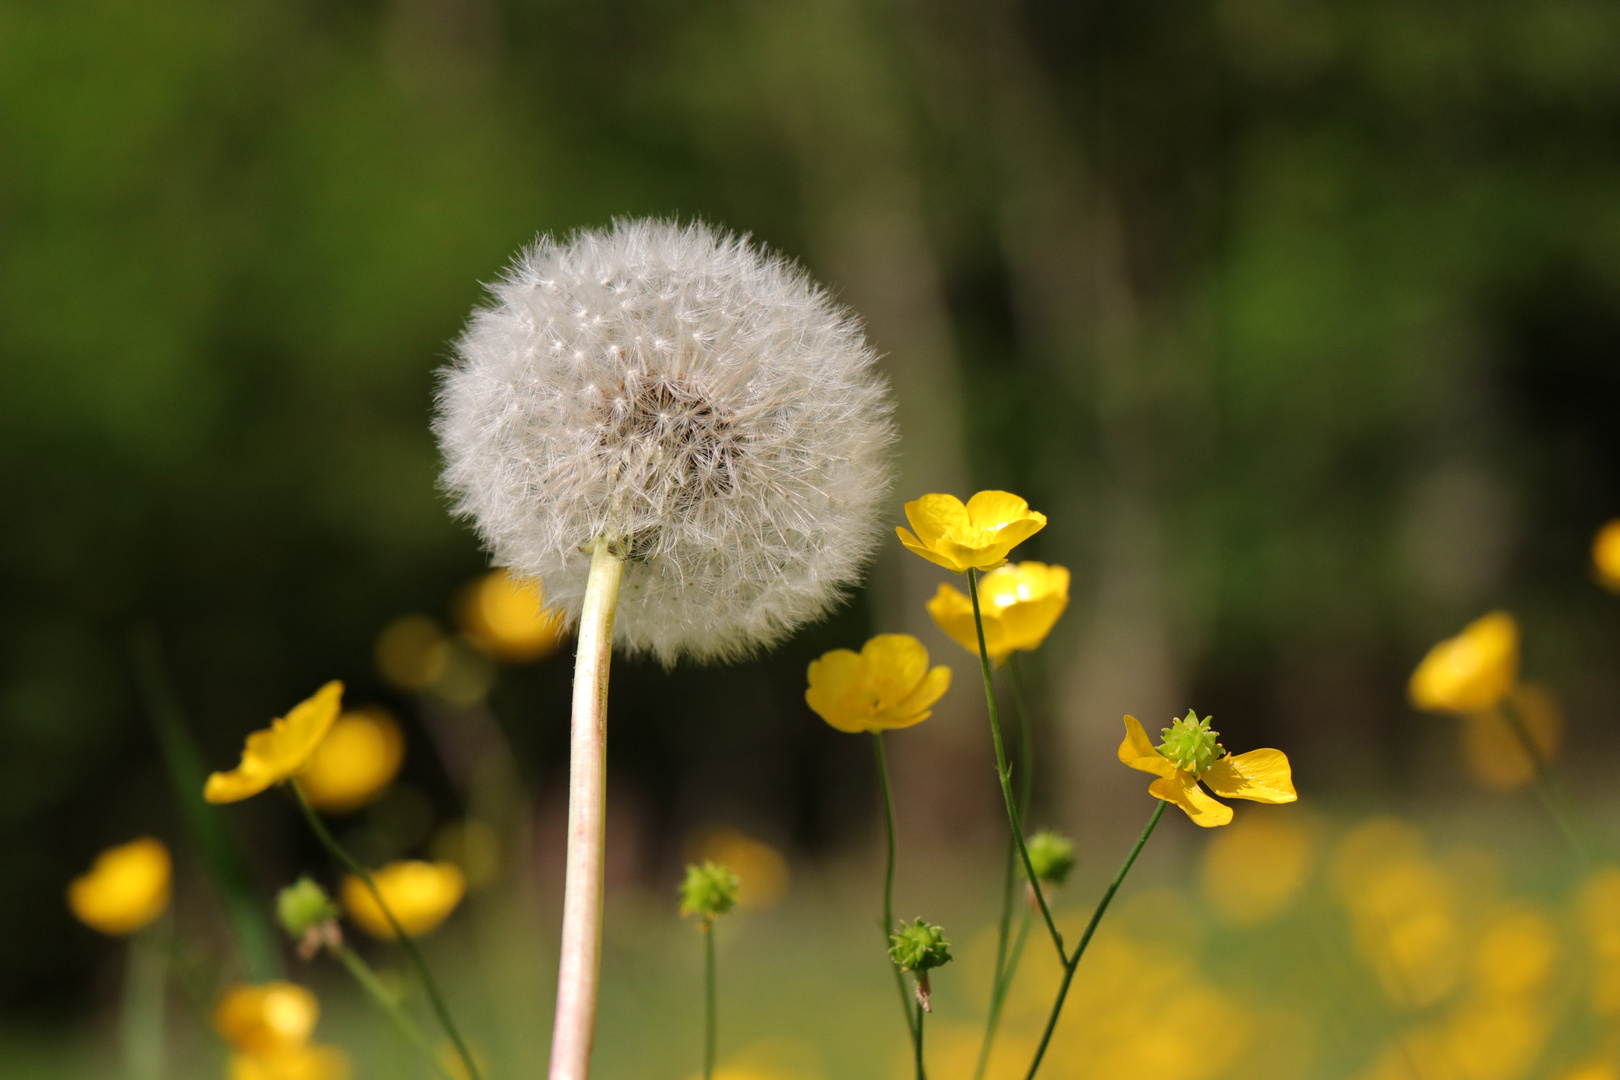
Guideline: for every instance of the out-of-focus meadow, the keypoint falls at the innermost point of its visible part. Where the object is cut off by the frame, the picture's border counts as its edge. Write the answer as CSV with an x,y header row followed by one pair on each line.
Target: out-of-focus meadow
x,y
1300,319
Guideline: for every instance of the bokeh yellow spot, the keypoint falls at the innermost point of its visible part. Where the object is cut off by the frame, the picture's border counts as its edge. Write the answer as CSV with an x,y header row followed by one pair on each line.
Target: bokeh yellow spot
x,y
266,1017
1606,555
1403,907
313,1062
412,652
1599,908
1470,672
421,895
354,763
505,617
762,871
1255,869
125,889
1516,953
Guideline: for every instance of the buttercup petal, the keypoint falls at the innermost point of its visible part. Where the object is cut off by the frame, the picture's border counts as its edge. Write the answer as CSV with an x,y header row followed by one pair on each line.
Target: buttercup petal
x,y
935,515
242,782
1137,751
895,661
952,612
1260,776
1016,532
929,690
913,545
994,509
306,725
834,685
1181,789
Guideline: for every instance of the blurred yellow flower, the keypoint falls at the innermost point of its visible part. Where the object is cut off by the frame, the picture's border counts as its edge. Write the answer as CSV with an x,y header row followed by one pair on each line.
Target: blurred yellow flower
x,y
975,536
125,889
1606,555
888,684
279,751
1259,775
420,894
312,1062
1594,1070
505,617
762,872
1517,949
354,763
412,652
1492,749
1253,871
1471,672
263,1018
1019,603
1599,907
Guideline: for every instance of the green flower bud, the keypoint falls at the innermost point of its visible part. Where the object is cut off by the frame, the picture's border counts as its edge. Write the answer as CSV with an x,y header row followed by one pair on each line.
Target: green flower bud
x,y
1190,744
919,947
709,890
1052,856
304,905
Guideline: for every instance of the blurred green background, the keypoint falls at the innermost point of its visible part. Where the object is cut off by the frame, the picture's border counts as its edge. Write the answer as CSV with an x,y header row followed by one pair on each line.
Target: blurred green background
x,y
1300,319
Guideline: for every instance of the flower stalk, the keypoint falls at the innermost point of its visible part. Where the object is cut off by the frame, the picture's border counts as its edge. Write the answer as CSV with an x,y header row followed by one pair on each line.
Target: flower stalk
x,y
1073,962
372,985
913,1026
348,862
146,974
1548,788
579,967
1004,773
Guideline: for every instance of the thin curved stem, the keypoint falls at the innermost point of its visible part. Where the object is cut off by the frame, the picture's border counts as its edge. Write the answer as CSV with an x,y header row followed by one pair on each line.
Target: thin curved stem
x,y
1004,773
372,985
711,1038
1005,966
888,895
1551,792
922,1073
1085,939
412,953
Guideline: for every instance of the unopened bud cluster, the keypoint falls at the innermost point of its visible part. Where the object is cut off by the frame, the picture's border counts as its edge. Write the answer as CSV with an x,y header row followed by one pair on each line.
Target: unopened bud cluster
x,y
1051,855
309,916
708,891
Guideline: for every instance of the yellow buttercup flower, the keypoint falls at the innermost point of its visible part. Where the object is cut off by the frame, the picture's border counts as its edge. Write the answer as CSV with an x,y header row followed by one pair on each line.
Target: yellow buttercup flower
x,y
1019,604
1190,754
1471,672
420,894
507,619
126,888
354,763
264,1018
279,751
1606,555
888,684
974,536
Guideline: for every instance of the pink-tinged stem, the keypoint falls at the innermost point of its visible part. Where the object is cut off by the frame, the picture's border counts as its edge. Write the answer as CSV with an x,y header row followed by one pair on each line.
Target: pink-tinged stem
x,y
579,968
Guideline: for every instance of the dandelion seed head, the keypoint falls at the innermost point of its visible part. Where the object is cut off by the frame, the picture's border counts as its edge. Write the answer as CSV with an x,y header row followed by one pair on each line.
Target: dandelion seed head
x,y
695,400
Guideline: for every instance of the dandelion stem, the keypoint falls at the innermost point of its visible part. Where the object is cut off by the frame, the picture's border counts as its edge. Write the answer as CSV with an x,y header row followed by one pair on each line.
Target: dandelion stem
x,y
1548,788
1085,939
711,1027
579,967
1005,774
412,953
146,974
372,985
1004,968
888,896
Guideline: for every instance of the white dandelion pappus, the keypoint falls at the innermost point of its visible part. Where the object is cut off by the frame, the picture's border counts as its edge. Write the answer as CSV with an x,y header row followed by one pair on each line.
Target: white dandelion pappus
x,y
698,402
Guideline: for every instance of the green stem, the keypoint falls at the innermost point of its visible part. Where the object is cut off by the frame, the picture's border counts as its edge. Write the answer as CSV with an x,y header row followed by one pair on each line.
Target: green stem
x,y
1548,789
1085,939
146,973
372,985
183,762
888,891
1009,881
411,951
998,995
711,1029
1004,773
